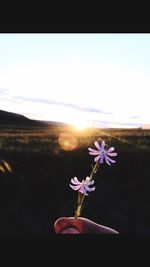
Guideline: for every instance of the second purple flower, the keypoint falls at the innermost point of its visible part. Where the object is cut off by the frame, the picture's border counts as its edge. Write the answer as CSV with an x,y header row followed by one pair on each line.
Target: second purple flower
x,y
102,154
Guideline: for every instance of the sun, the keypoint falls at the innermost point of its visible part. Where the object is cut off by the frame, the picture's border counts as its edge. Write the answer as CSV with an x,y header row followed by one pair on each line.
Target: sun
x,y
80,125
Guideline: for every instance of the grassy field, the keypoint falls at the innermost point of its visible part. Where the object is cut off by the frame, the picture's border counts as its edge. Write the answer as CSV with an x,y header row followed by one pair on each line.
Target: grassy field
x,y
43,160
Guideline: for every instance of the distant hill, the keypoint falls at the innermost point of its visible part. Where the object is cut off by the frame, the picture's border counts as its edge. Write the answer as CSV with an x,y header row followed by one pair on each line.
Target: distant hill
x,y
13,119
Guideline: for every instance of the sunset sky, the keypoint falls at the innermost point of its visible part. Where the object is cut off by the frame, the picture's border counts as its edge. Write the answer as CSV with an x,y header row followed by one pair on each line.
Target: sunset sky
x,y
100,80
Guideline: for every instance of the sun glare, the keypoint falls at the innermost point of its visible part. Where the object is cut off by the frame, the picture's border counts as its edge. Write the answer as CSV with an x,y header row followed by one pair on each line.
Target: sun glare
x,y
80,125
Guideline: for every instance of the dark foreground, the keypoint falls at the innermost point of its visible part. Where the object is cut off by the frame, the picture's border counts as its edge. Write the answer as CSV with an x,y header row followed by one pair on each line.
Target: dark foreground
x,y
43,161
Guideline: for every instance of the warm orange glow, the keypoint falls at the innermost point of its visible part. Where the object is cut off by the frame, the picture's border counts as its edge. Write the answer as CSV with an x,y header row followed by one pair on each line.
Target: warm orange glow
x,y
80,125
67,141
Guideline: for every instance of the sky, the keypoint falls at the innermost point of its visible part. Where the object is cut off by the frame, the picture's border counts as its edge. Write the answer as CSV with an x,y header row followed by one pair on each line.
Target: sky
x,y
99,80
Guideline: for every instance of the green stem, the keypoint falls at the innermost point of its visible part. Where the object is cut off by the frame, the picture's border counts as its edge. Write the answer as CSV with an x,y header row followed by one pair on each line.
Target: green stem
x,y
82,196
94,170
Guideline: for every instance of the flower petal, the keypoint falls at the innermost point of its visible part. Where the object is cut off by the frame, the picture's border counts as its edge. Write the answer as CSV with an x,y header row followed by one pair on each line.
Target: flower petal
x,y
91,182
90,189
102,145
102,159
97,145
106,159
97,158
111,160
83,191
75,187
110,149
112,154
92,149
75,181
95,153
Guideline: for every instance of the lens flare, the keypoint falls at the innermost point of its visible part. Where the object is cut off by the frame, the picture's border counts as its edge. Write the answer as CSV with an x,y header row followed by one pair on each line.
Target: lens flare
x,y
67,141
4,166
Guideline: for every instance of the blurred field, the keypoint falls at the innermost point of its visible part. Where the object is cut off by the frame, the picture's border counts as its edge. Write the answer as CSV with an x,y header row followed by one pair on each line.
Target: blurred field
x,y
43,160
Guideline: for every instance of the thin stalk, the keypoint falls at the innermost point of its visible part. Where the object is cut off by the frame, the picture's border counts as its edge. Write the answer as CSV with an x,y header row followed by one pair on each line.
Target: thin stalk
x,y
82,196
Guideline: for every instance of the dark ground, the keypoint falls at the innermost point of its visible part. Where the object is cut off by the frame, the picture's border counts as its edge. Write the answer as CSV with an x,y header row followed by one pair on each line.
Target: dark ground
x,y
37,191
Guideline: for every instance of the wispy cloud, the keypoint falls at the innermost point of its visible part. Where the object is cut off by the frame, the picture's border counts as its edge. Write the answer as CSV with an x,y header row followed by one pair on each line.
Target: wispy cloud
x,y
69,105
134,117
4,91
46,109
121,124
7,96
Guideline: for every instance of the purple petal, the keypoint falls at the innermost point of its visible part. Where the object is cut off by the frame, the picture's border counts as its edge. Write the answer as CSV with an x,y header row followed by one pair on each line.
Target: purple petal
x,y
97,158
102,159
75,181
111,160
112,154
87,179
102,145
97,145
90,189
91,182
75,187
91,149
94,153
110,149
106,159
88,183
83,191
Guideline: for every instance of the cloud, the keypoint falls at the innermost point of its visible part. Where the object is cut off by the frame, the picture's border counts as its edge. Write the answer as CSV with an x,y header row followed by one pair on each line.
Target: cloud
x,y
121,124
46,109
51,102
4,91
134,117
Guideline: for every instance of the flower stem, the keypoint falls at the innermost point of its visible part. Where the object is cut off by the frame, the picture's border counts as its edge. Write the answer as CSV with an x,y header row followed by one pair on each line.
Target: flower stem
x,y
79,204
94,170
82,196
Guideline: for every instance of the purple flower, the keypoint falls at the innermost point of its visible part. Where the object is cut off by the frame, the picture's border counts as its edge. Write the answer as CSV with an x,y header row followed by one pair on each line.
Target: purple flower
x,y
83,186
102,154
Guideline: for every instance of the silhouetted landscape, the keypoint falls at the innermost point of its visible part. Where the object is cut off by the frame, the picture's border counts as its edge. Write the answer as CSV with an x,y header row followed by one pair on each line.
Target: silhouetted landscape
x,y
13,120
44,156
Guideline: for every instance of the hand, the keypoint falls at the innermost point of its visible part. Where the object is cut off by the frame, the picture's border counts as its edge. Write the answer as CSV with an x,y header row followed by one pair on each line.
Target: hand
x,y
70,225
